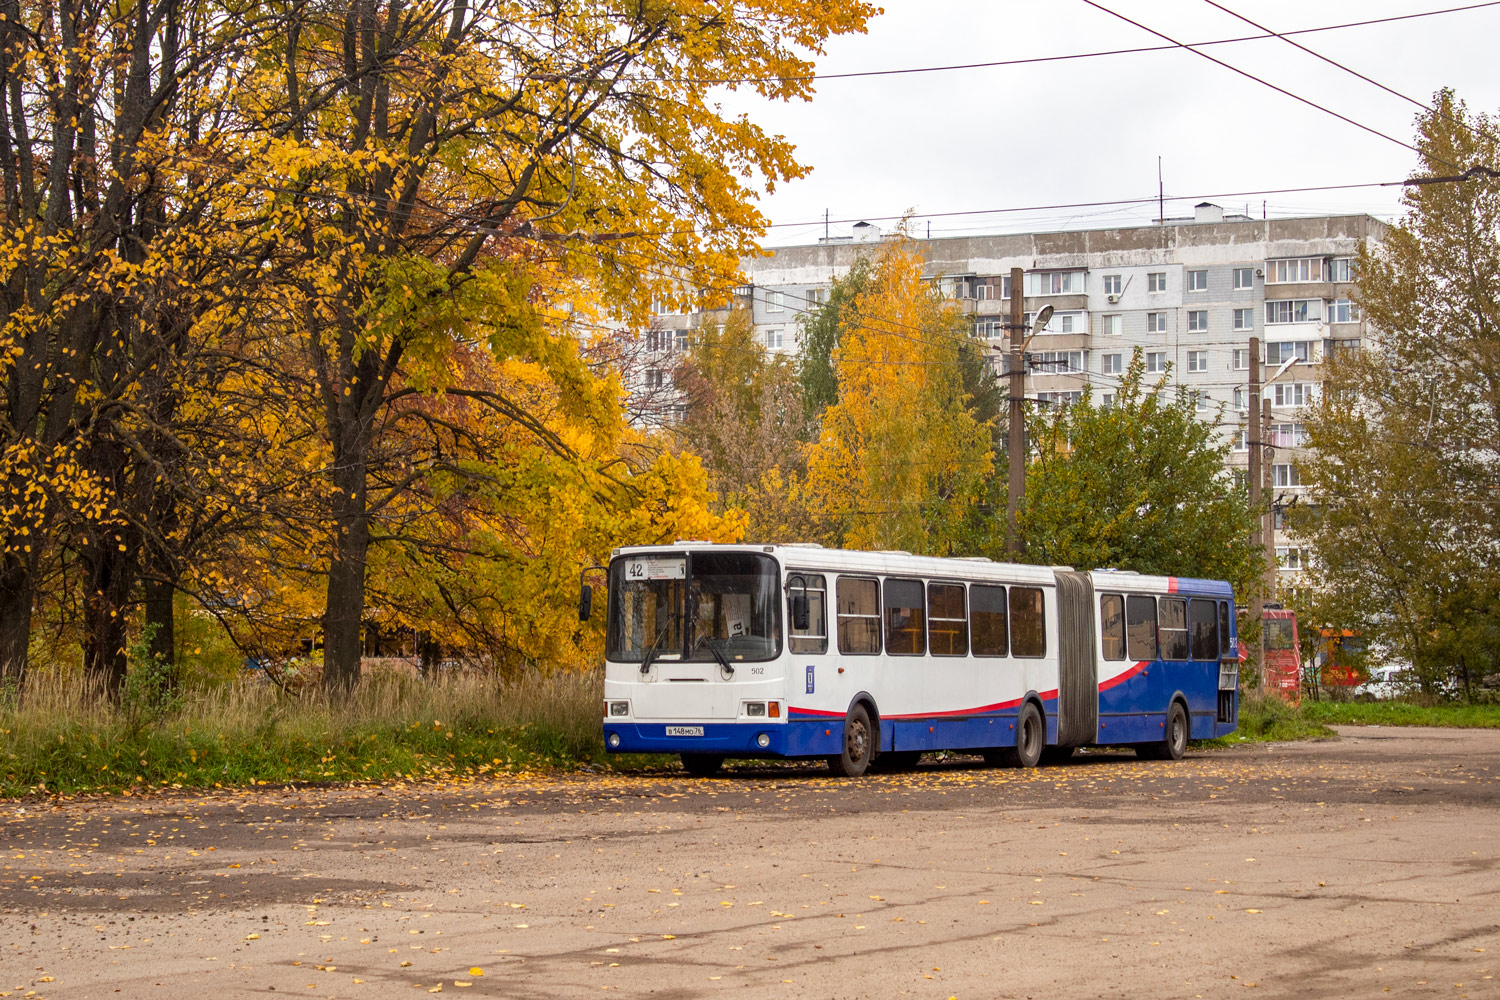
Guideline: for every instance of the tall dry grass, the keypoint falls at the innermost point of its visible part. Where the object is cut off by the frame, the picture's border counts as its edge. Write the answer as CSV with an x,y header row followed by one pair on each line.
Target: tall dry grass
x,y
60,738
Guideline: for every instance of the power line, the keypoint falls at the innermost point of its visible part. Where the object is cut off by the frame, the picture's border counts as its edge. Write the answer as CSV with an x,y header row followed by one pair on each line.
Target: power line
x,y
818,77
1260,80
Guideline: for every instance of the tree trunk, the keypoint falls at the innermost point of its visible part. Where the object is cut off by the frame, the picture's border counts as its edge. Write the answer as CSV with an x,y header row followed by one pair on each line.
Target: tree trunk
x,y
158,597
17,587
343,618
104,644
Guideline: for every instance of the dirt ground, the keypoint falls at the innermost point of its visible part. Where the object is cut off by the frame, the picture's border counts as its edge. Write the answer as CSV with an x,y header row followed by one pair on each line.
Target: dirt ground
x,y
1346,868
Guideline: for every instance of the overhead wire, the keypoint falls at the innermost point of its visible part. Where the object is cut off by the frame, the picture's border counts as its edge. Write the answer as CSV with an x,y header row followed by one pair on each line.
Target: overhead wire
x,y
1260,80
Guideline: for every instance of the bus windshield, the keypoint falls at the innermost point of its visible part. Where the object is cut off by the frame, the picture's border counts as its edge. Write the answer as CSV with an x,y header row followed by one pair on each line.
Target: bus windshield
x,y
691,606
1279,634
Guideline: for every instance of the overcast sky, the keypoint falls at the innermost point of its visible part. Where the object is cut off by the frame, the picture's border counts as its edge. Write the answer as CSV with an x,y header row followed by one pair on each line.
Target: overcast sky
x,y
1090,130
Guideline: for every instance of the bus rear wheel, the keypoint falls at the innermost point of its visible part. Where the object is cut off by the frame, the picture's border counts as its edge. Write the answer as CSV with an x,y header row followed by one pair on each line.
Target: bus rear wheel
x,y
859,745
1174,739
702,765
1031,740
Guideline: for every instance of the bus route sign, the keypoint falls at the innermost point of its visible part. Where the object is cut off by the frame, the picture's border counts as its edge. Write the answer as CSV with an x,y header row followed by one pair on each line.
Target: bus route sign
x,y
656,568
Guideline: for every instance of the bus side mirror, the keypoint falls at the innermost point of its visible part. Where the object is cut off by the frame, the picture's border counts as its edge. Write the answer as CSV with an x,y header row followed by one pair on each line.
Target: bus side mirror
x,y
801,613
585,602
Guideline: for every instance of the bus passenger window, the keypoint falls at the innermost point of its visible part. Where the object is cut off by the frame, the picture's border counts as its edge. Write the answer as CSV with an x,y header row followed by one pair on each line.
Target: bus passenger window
x,y
1140,627
1203,623
1224,630
947,622
858,615
1028,622
813,639
1112,626
905,618
1174,632
987,620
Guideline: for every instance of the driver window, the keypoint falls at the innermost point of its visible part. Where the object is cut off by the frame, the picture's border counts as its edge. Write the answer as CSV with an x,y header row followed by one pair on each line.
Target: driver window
x,y
814,638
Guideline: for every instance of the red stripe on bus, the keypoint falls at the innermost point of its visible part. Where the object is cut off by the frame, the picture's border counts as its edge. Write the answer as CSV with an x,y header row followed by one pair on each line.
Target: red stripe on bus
x,y
1171,584
1122,678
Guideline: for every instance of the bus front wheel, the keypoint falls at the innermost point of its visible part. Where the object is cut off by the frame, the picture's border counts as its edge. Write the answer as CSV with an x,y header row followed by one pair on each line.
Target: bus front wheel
x,y
859,745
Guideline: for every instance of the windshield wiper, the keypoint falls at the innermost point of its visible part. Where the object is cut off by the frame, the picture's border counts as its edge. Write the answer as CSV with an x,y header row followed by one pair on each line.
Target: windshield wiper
x,y
728,667
650,653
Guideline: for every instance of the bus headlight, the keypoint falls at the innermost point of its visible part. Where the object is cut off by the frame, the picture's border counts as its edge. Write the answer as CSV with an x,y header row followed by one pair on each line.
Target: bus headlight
x,y
614,740
618,708
763,740
755,709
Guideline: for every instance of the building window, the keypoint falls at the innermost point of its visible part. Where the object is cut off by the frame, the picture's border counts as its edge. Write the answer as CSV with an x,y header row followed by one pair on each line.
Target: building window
x,y
1294,269
1288,435
1343,311
1055,282
1114,325
773,339
1241,440
817,297
1244,319
656,378
1156,361
1238,399
1057,400
1280,352
1244,278
659,340
1156,322
1341,269
990,329
1107,400
1241,359
1203,401
1112,284
1110,364
775,301
1059,361
1156,281
1197,321
1197,361
1289,558
1293,393
1197,281
1293,311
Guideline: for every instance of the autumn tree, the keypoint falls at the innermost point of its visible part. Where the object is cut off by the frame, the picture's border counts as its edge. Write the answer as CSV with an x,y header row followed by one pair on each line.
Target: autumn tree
x,y
439,158
112,143
744,416
1401,471
901,460
1139,484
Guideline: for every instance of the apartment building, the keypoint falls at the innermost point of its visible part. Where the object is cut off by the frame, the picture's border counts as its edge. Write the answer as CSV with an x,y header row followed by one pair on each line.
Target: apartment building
x,y
1190,293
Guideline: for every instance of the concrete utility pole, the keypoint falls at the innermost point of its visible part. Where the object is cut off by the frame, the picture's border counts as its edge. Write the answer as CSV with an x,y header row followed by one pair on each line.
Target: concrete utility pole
x,y
1268,532
1016,444
1253,442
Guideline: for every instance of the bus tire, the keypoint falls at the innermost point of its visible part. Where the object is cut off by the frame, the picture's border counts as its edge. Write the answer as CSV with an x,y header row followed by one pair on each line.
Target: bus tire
x,y
1174,739
896,760
702,765
1031,740
859,745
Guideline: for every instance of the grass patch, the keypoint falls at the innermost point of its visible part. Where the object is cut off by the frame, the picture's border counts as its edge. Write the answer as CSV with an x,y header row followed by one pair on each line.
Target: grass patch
x,y
1403,713
1268,719
393,727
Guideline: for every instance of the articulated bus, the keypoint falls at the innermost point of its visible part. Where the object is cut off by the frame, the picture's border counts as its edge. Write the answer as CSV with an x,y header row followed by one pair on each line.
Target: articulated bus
x,y
796,651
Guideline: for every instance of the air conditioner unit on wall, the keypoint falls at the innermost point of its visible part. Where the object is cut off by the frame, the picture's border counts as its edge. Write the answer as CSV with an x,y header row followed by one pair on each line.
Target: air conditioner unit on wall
x,y
1113,298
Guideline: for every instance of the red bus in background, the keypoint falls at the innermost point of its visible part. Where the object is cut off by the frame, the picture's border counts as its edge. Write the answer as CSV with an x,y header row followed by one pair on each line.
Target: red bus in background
x,y
1281,659
1282,663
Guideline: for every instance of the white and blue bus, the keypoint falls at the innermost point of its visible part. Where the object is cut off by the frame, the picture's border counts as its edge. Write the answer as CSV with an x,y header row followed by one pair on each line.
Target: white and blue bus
x,y
861,658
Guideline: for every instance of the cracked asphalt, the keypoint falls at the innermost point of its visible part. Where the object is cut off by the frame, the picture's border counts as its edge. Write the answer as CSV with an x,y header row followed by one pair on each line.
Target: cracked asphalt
x,y
1345,868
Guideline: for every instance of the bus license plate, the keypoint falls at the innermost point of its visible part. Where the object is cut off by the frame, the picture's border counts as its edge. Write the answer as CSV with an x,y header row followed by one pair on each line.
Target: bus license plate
x,y
684,730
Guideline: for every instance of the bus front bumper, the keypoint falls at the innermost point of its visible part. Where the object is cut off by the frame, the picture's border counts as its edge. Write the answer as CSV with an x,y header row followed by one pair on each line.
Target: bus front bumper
x,y
796,738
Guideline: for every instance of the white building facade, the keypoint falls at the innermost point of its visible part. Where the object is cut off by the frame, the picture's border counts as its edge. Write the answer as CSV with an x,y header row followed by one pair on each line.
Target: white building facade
x,y
1189,293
